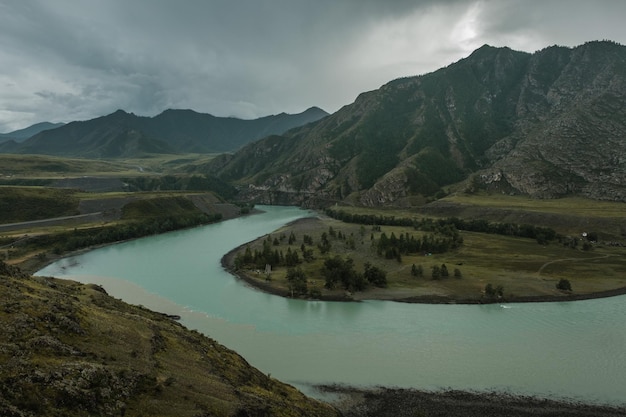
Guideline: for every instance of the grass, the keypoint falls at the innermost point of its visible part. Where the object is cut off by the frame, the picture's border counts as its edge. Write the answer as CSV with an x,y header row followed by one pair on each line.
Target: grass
x,y
567,216
521,266
158,206
39,166
18,204
53,167
574,206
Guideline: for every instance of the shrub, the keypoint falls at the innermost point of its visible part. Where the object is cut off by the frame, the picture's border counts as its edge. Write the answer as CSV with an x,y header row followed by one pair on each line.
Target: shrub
x,y
564,285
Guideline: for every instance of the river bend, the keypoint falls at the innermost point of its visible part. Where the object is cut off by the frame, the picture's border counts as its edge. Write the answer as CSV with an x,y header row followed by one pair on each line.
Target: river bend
x,y
573,350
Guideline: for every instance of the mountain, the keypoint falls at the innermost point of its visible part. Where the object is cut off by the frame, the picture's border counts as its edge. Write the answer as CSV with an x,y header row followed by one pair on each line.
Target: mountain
x,y
546,124
198,132
23,134
123,134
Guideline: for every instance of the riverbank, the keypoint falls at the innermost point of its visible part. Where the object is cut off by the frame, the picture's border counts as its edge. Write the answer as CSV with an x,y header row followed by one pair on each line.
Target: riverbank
x,y
519,287
38,260
404,297
395,402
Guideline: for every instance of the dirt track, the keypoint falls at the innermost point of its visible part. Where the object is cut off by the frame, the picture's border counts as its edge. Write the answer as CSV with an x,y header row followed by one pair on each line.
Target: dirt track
x,y
58,221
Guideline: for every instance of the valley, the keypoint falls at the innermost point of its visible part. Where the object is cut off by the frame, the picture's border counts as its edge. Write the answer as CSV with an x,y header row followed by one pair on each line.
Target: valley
x,y
498,179
102,197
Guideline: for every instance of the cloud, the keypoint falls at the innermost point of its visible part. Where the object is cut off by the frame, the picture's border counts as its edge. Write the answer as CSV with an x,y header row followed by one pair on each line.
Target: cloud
x,y
72,60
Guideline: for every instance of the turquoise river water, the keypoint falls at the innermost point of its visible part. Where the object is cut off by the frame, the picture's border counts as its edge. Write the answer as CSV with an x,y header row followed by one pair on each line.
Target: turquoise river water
x,y
571,350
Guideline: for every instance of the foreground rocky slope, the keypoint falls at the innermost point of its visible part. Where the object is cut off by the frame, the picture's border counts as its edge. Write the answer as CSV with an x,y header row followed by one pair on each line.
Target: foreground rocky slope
x,y
70,349
546,124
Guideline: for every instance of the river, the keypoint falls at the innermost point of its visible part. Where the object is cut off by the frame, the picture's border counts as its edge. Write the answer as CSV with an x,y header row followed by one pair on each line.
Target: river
x,y
565,350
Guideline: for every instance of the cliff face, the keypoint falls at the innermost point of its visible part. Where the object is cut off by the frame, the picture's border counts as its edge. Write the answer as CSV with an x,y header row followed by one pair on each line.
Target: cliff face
x,y
70,349
546,124
575,141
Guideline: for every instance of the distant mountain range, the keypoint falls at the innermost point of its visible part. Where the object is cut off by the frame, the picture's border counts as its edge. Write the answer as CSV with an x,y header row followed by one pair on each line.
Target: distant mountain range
x,y
123,134
23,134
546,124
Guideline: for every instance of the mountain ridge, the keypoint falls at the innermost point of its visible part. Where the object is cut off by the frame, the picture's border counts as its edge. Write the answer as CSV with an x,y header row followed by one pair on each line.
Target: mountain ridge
x,y
499,119
122,134
23,134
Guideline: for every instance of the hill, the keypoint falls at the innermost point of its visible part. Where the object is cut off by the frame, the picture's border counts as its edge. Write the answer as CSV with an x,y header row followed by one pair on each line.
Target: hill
x,y
546,124
123,134
70,349
23,134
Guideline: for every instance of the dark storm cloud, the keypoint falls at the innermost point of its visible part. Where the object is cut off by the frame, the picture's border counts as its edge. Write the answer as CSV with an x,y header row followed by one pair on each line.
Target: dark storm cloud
x,y
68,60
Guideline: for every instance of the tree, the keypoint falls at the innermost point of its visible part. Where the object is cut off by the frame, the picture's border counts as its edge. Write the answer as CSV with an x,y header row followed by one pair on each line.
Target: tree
x,y
444,271
436,274
490,291
457,273
493,292
375,275
238,261
291,259
297,281
324,246
247,257
500,291
337,270
564,285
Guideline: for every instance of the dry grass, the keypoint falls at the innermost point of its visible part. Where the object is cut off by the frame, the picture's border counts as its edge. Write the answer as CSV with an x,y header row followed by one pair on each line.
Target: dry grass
x,y
576,206
51,167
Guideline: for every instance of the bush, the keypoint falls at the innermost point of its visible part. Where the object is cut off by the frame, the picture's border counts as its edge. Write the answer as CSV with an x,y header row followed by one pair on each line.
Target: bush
x,y
493,292
564,285
375,275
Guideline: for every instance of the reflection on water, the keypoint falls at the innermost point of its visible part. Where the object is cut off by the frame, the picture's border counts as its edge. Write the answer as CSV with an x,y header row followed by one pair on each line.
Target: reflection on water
x,y
571,350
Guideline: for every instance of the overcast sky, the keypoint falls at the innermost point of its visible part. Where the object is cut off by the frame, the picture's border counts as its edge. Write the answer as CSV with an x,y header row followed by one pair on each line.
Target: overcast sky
x,y
64,60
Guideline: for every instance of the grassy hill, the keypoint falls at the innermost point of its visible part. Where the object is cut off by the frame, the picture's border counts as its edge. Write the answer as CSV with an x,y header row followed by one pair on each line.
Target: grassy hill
x,y
35,203
70,349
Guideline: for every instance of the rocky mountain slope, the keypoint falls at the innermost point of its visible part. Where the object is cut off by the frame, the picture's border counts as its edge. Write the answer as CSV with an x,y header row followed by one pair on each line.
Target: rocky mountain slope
x,y
70,349
122,134
546,124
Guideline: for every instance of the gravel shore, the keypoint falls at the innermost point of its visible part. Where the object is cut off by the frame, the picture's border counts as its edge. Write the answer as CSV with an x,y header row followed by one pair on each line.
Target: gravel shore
x,y
388,402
